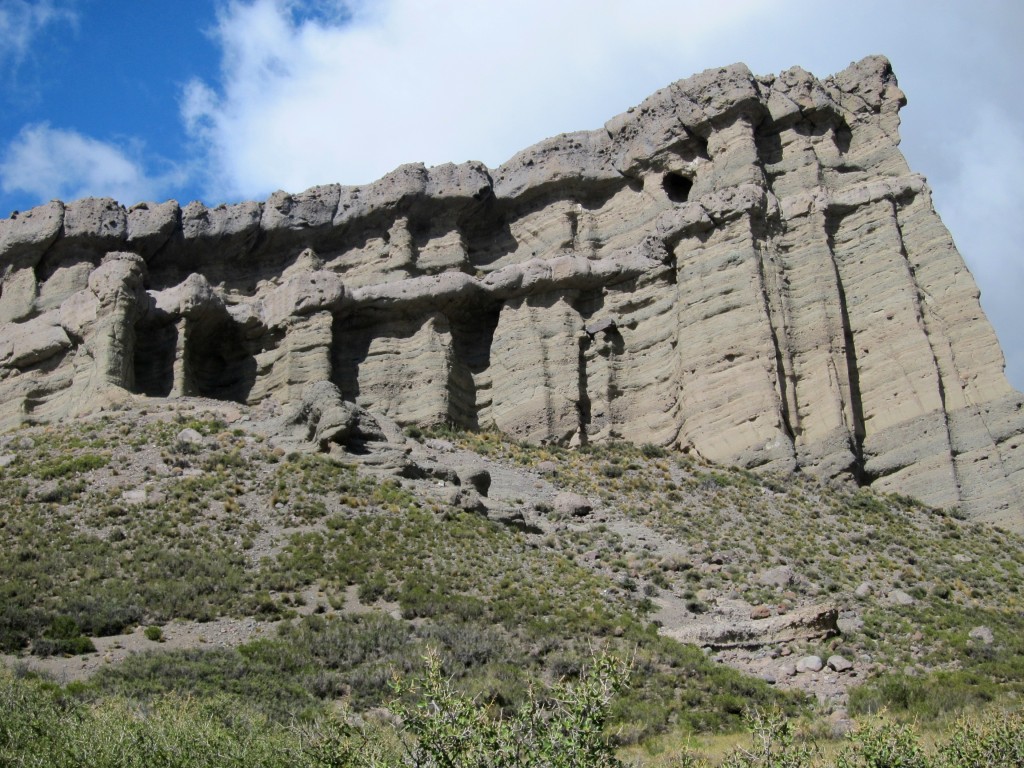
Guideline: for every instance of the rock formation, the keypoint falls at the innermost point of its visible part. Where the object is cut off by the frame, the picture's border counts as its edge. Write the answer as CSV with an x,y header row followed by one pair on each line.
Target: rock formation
x,y
741,266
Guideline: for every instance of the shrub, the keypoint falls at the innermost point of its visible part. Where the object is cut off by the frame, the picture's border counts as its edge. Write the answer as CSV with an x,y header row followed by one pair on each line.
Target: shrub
x,y
565,729
63,637
85,462
774,745
996,742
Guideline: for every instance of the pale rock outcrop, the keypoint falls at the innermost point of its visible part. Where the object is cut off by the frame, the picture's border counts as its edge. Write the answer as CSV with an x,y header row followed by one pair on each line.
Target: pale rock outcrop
x,y
741,267
323,418
810,622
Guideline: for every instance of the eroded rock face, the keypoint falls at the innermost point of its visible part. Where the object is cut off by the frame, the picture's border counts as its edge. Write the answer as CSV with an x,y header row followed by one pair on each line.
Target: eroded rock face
x,y
743,267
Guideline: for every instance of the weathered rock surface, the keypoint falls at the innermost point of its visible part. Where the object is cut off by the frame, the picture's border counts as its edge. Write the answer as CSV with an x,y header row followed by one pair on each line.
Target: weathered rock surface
x,y
811,622
742,267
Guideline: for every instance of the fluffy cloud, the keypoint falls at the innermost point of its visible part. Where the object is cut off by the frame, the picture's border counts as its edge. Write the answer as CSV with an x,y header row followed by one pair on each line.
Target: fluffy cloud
x,y
319,92
22,20
50,162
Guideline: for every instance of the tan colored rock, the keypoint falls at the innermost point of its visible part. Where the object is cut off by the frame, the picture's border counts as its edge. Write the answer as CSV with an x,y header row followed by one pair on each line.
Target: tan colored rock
x,y
812,622
741,267
151,225
26,344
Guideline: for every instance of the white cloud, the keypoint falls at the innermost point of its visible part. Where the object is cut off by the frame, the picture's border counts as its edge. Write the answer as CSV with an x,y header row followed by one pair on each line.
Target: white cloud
x,y
22,20
49,162
305,100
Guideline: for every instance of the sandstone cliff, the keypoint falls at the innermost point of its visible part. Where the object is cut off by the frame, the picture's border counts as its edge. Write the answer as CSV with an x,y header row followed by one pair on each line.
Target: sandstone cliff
x,y
740,266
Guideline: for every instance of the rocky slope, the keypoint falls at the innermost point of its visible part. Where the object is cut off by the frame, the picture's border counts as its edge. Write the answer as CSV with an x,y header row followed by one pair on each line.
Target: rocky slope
x,y
297,557
741,267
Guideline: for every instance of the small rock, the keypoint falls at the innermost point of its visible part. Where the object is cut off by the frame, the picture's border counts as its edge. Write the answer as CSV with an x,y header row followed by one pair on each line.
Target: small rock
x,y
899,597
190,436
134,496
809,664
599,325
439,445
465,499
26,443
780,576
476,477
546,467
838,663
573,504
787,670
864,589
840,723
7,459
982,634
760,612
849,625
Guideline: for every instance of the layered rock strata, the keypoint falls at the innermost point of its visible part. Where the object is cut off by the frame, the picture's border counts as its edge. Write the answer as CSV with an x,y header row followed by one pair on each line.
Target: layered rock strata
x,y
743,267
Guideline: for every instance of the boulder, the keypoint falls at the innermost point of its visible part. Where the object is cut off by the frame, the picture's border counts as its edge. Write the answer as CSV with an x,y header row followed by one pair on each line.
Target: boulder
x,y
809,664
982,635
812,622
476,477
839,664
899,597
573,504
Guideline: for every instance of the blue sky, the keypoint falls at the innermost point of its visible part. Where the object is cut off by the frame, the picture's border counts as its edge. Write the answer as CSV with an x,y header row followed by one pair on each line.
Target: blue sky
x,y
224,100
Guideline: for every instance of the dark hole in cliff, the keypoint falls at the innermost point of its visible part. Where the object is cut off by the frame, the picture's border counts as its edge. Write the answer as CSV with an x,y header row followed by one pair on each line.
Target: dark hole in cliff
x,y
217,363
154,359
677,187
842,136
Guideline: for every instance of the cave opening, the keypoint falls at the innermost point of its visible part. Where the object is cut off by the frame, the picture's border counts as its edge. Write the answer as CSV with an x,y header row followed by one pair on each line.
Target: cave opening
x,y
677,186
217,362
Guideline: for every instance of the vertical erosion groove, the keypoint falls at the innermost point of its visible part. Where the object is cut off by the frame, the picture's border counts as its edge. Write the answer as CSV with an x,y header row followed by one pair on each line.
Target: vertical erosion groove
x,y
583,404
929,333
775,315
832,222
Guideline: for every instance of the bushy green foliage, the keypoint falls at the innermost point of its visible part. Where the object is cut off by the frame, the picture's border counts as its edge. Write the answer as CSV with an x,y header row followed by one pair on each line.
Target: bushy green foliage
x,y
439,728
63,636
885,744
773,745
564,728
41,727
434,725
994,742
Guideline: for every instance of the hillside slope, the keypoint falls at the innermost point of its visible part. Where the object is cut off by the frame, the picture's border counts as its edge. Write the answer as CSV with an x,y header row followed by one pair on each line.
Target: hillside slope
x,y
296,578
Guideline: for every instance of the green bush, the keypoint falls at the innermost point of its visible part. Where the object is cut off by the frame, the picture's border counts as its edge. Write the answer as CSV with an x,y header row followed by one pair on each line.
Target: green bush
x,y
774,745
886,744
994,742
431,725
55,468
565,729
63,637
